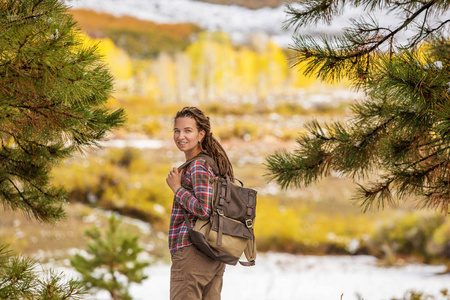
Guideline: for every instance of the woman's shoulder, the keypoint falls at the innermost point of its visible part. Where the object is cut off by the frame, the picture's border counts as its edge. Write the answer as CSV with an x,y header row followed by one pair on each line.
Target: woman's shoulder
x,y
200,164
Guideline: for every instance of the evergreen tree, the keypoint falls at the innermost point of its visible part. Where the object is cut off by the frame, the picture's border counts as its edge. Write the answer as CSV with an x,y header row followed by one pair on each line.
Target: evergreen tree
x,y
21,279
52,102
400,131
53,92
112,262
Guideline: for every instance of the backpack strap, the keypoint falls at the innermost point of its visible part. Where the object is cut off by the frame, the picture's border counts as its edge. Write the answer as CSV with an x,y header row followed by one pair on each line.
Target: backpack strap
x,y
215,168
186,220
211,162
208,159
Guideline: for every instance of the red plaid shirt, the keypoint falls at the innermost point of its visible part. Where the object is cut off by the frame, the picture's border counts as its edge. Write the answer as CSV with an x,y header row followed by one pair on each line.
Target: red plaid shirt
x,y
194,196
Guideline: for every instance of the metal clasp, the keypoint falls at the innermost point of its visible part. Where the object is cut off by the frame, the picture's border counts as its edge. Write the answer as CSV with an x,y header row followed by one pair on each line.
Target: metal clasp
x,y
249,223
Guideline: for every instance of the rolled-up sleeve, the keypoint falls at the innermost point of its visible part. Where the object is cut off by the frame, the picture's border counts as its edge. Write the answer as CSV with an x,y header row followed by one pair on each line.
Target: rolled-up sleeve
x,y
197,201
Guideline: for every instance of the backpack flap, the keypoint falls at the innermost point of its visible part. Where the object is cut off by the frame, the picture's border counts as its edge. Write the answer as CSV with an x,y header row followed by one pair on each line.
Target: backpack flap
x,y
243,205
230,227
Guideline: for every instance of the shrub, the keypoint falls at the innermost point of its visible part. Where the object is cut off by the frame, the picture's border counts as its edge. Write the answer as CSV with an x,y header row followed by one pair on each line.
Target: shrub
x,y
413,295
152,128
301,227
112,262
120,179
407,233
439,243
239,129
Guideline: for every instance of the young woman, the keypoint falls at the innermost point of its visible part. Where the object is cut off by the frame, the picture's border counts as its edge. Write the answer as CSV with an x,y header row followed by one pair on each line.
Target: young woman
x,y
193,274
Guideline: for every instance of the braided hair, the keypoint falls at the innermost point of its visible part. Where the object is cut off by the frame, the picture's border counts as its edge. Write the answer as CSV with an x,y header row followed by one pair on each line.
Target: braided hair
x,y
209,144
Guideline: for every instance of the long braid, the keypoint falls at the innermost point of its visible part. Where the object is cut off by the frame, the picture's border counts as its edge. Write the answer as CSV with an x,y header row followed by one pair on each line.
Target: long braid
x,y
209,145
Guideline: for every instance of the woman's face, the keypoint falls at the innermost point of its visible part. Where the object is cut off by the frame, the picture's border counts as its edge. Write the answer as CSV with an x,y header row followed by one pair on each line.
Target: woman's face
x,y
187,137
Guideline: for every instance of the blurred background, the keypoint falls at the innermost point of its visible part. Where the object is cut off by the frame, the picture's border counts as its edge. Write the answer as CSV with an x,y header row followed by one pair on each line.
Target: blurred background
x,y
230,58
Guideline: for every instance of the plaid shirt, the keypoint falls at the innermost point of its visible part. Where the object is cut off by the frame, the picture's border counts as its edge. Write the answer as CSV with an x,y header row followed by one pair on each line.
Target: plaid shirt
x,y
194,196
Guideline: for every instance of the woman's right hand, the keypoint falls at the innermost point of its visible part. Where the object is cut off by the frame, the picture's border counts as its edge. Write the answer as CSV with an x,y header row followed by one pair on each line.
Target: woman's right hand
x,y
174,179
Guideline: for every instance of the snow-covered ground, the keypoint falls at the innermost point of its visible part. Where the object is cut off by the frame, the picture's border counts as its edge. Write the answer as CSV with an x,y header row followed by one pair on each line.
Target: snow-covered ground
x,y
293,277
239,22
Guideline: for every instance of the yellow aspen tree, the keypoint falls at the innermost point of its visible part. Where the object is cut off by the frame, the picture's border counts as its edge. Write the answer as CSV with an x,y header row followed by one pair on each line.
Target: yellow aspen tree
x,y
223,54
246,71
211,55
164,69
196,52
277,68
183,77
297,79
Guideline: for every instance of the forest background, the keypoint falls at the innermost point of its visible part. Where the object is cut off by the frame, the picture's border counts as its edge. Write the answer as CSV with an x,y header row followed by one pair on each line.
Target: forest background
x,y
258,103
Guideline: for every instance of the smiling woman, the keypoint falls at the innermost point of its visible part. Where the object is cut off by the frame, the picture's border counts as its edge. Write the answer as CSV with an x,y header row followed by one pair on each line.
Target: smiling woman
x,y
193,274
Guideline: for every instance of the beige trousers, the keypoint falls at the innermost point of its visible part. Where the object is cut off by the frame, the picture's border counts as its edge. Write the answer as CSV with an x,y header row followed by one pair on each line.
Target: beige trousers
x,y
195,276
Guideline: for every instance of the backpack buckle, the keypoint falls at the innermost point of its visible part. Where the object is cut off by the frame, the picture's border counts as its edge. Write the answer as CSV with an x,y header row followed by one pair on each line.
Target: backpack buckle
x,y
249,223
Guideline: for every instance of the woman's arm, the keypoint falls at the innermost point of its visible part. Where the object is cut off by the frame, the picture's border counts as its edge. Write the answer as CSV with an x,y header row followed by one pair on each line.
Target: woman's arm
x,y
197,201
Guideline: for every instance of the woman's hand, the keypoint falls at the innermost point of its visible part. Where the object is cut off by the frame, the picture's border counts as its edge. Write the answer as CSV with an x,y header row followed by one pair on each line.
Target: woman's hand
x,y
174,179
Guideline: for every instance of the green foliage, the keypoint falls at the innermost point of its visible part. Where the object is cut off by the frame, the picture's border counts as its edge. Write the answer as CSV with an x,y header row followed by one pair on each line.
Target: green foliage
x,y
51,102
112,262
19,280
352,52
399,134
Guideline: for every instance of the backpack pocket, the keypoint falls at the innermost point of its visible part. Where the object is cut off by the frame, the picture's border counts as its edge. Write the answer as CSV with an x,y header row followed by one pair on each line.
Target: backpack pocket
x,y
232,245
230,227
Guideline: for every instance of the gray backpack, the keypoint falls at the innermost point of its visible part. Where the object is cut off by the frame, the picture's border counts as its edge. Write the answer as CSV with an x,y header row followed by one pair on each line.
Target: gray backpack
x,y
228,233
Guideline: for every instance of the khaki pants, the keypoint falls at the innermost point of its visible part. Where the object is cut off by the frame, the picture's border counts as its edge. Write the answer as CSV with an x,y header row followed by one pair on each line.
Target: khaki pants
x,y
194,275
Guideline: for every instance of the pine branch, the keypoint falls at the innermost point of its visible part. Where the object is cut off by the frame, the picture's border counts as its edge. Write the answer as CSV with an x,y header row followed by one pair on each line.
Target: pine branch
x,y
401,128
353,51
426,32
314,11
375,197
375,131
